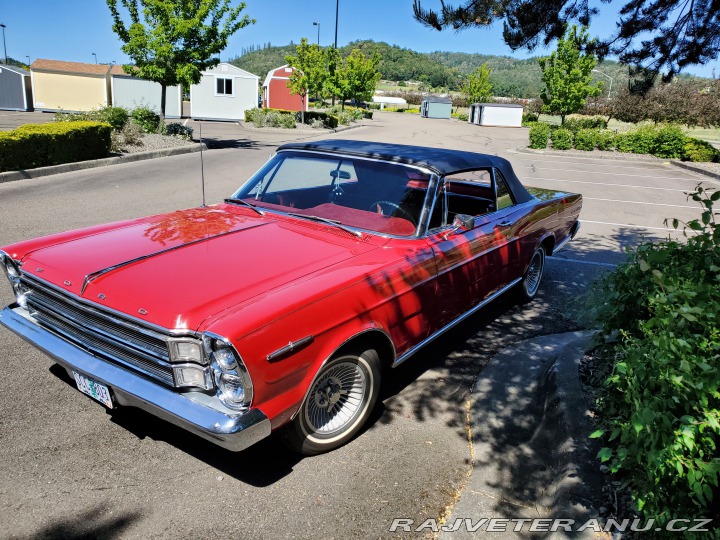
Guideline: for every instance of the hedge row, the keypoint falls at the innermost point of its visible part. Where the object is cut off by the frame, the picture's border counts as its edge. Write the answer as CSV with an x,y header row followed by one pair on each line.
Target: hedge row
x,y
287,119
666,141
40,145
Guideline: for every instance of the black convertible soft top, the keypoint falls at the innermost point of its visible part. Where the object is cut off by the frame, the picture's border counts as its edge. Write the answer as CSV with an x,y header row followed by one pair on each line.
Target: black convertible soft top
x,y
440,160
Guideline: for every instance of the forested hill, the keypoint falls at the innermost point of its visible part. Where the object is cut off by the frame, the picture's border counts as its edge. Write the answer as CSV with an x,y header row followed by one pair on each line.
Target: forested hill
x,y
510,77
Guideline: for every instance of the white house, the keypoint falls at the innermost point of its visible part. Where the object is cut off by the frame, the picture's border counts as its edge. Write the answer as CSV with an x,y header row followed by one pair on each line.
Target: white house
x,y
225,92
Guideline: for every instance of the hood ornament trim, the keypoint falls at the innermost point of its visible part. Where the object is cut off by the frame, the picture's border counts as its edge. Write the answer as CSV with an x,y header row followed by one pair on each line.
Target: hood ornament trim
x,y
94,275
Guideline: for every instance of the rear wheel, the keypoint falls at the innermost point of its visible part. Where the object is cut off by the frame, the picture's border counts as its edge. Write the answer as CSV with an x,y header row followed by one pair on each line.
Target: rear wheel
x,y
530,284
339,403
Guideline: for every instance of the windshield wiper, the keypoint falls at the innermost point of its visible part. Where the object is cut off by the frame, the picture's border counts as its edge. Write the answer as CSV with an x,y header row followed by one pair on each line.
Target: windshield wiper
x,y
250,205
332,222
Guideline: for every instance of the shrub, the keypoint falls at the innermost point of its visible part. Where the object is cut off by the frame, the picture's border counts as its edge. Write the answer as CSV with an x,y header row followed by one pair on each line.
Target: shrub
x,y
604,139
529,118
669,142
585,139
278,118
146,118
117,117
642,139
660,416
698,150
344,118
39,145
463,117
562,139
539,134
623,142
178,130
576,124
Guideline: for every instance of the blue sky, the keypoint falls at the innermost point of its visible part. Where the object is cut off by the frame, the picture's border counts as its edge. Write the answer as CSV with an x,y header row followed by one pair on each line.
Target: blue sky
x,y
74,29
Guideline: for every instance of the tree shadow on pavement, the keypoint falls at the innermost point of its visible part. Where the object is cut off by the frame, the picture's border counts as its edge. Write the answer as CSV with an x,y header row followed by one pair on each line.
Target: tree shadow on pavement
x,y
94,524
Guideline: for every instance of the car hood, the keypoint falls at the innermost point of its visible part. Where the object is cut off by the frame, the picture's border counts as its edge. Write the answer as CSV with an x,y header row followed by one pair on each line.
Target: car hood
x,y
177,269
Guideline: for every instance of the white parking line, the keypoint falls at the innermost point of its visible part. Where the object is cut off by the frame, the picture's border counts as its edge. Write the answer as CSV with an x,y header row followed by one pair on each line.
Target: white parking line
x,y
530,180
630,226
659,166
578,261
617,174
639,202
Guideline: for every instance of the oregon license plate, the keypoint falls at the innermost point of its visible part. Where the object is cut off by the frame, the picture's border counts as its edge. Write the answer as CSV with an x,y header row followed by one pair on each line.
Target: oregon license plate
x,y
94,389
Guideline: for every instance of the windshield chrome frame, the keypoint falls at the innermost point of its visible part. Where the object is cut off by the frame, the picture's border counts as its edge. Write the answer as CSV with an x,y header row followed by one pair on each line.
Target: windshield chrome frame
x,y
421,230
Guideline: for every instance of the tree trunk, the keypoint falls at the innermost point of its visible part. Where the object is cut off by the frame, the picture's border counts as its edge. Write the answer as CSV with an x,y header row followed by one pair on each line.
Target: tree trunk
x,y
163,95
562,119
303,97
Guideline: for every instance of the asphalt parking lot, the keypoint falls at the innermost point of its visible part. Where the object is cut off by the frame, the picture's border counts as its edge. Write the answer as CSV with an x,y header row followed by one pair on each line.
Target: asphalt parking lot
x,y
70,468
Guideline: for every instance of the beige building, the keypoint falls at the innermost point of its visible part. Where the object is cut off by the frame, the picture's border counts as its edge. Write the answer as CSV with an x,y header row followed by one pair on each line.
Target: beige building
x,y
69,86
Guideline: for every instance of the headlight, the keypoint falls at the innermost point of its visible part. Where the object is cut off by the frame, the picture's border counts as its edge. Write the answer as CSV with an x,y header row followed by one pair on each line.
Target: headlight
x,y
234,387
12,272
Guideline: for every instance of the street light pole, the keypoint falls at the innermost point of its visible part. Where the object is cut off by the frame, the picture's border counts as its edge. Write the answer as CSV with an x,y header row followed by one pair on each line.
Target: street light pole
x,y
337,9
4,47
608,76
95,55
318,25
26,56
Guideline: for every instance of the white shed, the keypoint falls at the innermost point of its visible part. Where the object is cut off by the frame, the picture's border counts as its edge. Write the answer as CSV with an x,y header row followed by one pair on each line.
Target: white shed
x,y
15,89
131,92
496,114
387,100
225,92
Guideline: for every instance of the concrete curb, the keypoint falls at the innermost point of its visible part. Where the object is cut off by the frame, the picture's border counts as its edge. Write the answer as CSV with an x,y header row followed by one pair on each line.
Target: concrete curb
x,y
12,176
529,424
695,169
300,131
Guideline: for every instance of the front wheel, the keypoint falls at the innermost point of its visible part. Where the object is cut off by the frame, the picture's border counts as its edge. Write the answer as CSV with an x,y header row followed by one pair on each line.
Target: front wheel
x,y
340,400
530,284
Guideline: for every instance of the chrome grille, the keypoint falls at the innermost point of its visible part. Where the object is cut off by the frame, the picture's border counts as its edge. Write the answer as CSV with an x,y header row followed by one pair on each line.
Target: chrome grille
x,y
102,333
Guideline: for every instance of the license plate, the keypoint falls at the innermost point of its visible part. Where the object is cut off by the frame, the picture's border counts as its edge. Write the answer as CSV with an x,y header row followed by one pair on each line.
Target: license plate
x,y
94,389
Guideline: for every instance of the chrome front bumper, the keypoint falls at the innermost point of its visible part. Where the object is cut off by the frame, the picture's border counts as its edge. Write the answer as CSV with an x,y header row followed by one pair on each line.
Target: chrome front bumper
x,y
234,431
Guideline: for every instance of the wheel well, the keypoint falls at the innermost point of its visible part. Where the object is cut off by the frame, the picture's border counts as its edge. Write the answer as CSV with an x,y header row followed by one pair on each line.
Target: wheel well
x,y
372,339
549,244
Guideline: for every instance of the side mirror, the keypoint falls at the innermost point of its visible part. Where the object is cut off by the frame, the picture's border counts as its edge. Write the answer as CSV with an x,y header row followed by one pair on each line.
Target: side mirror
x,y
463,222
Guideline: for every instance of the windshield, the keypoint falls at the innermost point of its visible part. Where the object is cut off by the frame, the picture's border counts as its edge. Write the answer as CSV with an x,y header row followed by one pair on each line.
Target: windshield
x,y
377,196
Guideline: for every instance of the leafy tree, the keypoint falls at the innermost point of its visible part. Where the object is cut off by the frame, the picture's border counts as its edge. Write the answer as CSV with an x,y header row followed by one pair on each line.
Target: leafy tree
x,y
567,75
333,83
478,87
309,74
361,75
176,39
675,33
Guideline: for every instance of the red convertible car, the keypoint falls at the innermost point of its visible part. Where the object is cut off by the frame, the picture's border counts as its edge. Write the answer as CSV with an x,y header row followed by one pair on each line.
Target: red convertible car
x,y
281,306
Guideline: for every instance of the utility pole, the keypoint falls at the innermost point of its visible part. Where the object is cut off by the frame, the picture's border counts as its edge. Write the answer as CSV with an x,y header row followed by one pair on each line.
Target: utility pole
x,y
4,47
318,25
337,10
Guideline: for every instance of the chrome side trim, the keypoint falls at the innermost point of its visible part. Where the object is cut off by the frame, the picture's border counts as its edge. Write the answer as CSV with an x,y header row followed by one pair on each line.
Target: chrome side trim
x,y
94,275
290,348
234,432
451,324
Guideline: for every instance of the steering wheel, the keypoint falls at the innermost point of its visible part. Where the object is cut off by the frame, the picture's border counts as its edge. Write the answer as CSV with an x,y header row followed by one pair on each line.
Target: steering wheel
x,y
395,209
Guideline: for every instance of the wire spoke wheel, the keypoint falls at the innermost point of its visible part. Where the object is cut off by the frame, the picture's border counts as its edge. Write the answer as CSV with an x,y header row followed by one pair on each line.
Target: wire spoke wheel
x,y
533,275
336,398
338,403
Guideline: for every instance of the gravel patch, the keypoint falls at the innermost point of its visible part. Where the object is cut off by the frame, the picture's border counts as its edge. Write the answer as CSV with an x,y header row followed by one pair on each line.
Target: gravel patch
x,y
710,167
153,141
608,154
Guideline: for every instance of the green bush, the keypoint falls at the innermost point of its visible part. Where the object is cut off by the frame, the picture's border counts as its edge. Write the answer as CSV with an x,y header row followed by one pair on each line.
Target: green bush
x,y
529,118
642,140
344,118
669,142
660,417
604,139
178,130
117,117
698,150
40,145
585,139
463,117
623,142
539,134
146,118
593,122
562,139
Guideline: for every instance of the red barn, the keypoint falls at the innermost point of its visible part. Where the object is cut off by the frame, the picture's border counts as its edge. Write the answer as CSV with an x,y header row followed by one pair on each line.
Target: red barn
x,y
276,94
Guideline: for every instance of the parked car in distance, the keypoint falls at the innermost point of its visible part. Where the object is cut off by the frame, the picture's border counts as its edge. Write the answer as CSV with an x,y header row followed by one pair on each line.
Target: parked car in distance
x,y
281,306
